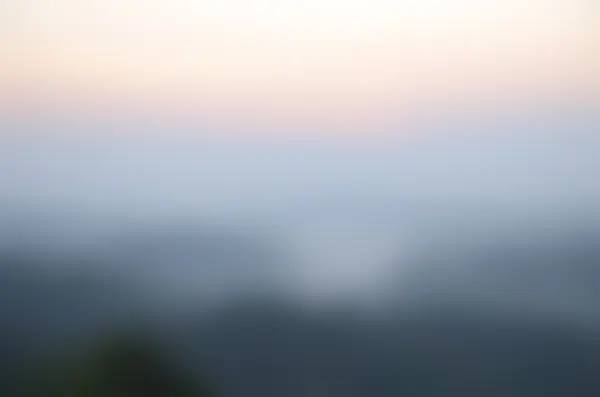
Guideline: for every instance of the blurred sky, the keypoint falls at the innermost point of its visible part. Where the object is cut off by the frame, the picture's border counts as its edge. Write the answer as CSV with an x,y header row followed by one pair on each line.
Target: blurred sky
x,y
520,79
322,63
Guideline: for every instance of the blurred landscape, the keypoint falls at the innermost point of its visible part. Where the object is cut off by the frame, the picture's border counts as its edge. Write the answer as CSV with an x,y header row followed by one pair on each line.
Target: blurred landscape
x,y
465,265
299,198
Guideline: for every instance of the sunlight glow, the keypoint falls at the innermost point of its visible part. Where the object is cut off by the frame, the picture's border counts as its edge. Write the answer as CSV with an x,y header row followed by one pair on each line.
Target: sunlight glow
x,y
290,56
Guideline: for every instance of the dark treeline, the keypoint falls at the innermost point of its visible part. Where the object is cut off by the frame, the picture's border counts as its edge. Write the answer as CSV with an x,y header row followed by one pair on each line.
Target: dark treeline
x,y
62,335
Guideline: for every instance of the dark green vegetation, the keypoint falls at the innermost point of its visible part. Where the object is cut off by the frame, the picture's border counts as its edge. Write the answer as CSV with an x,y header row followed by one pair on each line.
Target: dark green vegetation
x,y
122,366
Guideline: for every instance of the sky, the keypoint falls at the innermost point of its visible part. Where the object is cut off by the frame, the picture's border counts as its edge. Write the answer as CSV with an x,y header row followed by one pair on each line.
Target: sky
x,y
524,68
323,63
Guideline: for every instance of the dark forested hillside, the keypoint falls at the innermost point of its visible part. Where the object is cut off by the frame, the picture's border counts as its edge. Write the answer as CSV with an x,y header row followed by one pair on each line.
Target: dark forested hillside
x,y
518,320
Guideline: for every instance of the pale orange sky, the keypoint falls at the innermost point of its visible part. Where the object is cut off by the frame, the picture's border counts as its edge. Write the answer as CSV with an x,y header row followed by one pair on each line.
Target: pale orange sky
x,y
294,59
